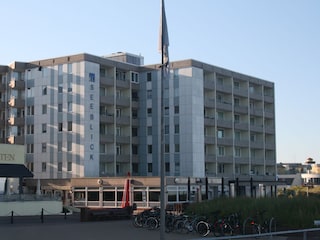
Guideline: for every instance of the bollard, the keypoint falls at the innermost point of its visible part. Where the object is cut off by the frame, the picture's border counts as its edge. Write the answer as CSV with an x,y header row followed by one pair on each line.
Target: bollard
x,y
41,217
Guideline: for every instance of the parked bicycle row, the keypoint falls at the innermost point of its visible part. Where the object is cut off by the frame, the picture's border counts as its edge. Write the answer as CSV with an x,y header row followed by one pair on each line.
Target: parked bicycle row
x,y
214,223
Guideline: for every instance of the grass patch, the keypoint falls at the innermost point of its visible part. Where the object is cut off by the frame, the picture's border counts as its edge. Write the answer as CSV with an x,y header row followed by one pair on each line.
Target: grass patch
x,y
290,213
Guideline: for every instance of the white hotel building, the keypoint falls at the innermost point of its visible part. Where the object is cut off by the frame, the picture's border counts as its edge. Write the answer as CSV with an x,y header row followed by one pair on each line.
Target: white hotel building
x,y
90,116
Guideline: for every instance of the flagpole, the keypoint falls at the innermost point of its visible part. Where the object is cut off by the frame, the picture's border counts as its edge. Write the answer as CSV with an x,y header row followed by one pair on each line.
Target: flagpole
x,y
164,65
162,167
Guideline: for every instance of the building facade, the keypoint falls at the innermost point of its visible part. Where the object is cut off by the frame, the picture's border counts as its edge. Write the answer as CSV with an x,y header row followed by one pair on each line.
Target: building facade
x,y
90,116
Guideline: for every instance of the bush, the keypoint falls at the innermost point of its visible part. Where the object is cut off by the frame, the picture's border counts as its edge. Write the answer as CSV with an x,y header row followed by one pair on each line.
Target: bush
x,y
289,212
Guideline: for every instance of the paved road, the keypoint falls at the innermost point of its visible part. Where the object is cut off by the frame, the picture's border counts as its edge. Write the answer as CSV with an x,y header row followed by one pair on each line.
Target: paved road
x,y
58,228
71,228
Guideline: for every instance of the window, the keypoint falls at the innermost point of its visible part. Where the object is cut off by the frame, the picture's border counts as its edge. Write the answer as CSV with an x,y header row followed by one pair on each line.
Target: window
x,y
220,115
118,131
44,166
30,92
44,147
166,110
149,77
149,131
69,146
149,167
237,135
44,90
59,166
134,132
118,150
221,151
134,149
69,106
167,148
252,137
44,109
60,107
149,149
252,121
237,118
59,146
69,68
60,127
176,109
236,84
135,77
69,167
237,152
167,167
118,112
135,168
44,127
60,87
149,111
29,148
30,110
30,129
177,129
70,126
177,148
149,94
220,133
236,101
166,129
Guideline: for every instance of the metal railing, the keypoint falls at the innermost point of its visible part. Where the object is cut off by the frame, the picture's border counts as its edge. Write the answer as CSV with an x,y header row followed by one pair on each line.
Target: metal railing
x,y
272,235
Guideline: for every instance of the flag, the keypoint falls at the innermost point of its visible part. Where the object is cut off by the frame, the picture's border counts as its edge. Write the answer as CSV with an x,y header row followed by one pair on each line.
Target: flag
x,y
163,36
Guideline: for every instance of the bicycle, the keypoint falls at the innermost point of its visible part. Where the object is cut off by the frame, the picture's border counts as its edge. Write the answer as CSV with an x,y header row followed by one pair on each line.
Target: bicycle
x,y
258,224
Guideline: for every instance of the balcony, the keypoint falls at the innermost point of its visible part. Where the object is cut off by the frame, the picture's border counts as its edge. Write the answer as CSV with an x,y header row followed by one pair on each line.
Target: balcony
x,y
225,141
107,100
123,84
16,140
15,121
224,123
15,102
123,120
106,138
107,81
209,140
224,106
241,109
107,118
14,84
123,139
123,101
209,121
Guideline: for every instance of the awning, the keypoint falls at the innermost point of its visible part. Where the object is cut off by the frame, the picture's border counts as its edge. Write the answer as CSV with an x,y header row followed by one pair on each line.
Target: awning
x,y
14,171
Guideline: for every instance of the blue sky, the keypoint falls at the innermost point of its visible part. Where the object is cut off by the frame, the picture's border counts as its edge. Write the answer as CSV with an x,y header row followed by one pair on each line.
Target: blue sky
x,y
275,40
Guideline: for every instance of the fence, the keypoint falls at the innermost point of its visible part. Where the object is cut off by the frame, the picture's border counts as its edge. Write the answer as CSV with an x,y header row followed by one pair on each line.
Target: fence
x,y
272,235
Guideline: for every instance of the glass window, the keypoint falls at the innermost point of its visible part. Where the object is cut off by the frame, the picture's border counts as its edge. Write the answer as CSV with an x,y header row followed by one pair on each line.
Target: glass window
x,y
93,196
60,107
60,87
149,167
69,106
44,147
149,77
69,146
60,127
69,167
69,126
59,166
220,133
44,109
109,196
44,90
44,127
44,166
